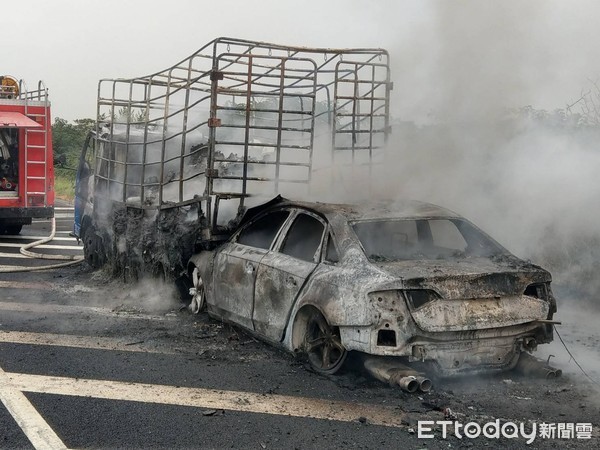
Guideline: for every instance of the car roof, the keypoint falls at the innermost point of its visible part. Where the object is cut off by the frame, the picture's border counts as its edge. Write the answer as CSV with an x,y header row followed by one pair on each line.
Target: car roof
x,y
363,210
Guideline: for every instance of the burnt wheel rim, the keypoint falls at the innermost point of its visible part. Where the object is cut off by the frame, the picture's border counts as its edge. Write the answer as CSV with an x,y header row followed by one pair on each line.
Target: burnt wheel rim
x,y
323,345
197,302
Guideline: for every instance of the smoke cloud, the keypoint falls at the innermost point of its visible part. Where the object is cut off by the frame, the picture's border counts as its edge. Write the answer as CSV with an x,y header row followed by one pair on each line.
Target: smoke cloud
x,y
483,128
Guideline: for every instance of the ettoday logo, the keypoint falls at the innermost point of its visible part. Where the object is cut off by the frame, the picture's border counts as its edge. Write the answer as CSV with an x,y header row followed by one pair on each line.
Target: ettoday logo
x,y
507,430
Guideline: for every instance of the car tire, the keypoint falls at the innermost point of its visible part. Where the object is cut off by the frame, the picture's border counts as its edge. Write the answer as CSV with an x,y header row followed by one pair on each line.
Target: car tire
x,y
323,346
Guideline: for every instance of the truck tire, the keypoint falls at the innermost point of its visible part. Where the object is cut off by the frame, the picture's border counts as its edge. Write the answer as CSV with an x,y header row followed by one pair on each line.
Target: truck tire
x,y
93,249
11,228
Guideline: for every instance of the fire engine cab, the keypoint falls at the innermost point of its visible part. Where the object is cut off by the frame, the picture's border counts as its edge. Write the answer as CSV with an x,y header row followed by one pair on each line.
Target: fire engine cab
x,y
26,160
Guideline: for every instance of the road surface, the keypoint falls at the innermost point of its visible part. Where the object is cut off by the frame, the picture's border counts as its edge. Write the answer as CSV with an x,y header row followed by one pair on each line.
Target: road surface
x,y
89,362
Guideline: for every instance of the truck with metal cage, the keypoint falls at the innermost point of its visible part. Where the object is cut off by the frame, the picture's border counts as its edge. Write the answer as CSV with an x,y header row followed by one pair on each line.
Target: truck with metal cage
x,y
26,158
178,156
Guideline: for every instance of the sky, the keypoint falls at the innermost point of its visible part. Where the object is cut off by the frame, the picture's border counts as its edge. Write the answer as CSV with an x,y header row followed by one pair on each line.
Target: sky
x,y
448,57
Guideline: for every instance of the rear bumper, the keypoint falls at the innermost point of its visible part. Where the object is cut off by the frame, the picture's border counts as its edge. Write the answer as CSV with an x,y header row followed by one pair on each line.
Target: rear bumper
x,y
14,214
452,353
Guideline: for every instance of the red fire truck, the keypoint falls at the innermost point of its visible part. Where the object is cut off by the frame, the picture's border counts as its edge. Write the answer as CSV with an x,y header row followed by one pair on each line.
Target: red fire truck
x,y
26,161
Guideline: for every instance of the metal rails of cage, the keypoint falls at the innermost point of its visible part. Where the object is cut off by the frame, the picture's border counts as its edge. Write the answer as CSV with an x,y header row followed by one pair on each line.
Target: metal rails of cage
x,y
238,118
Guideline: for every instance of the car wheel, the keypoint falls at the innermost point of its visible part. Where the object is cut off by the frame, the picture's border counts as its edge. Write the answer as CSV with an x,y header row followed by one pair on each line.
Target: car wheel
x,y
323,345
197,293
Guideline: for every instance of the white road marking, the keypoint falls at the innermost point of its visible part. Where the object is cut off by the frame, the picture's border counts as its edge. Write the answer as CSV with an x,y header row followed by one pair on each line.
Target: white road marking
x,y
64,208
58,247
13,255
78,310
25,284
23,237
282,405
78,341
34,426
9,268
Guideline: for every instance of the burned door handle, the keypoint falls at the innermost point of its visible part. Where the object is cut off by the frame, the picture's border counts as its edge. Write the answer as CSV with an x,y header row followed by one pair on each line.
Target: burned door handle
x,y
249,267
291,281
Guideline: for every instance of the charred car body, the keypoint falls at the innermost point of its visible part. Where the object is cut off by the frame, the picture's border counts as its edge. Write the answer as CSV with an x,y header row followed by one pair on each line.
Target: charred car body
x,y
178,157
406,279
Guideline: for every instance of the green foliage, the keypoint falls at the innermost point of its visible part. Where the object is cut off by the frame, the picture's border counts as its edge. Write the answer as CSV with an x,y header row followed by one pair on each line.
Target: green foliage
x,y
67,141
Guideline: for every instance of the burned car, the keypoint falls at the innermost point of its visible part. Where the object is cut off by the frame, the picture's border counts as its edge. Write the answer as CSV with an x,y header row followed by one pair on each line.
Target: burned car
x,y
409,280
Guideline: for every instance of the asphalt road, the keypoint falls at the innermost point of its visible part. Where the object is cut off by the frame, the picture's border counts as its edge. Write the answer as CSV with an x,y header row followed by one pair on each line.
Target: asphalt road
x,y
88,362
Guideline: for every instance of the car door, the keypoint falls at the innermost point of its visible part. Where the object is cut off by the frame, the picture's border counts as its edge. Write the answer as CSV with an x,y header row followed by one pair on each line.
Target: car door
x,y
283,271
236,264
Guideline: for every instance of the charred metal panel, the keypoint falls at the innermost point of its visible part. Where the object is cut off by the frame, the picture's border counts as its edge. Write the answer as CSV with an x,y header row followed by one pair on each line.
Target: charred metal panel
x,y
465,315
279,279
468,278
234,276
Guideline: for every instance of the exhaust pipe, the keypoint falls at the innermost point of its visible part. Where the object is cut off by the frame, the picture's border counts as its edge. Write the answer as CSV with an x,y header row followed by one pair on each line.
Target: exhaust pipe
x,y
529,365
425,384
396,374
409,384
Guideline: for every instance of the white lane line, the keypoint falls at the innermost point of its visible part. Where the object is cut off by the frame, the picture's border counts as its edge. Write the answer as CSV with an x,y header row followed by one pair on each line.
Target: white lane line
x,y
59,247
78,341
282,405
41,286
13,255
39,433
64,208
78,310
58,219
37,238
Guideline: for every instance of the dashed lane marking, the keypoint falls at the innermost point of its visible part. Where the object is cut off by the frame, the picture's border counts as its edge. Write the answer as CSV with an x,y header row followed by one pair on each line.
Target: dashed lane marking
x,y
40,286
23,237
78,341
58,247
79,310
282,405
13,255
39,433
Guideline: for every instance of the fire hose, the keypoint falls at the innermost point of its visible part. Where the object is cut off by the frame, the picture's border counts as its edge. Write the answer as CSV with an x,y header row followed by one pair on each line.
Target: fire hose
x,y
71,259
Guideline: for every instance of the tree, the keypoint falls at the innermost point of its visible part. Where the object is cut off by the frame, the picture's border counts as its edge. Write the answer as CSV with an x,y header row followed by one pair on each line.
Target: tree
x,y
67,141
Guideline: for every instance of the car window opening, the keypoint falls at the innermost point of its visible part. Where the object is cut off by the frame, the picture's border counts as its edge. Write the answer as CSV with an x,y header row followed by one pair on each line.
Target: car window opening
x,y
262,232
423,239
303,238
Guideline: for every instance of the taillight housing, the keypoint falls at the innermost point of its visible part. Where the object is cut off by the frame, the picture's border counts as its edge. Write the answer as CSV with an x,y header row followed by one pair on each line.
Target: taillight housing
x,y
538,290
543,292
420,297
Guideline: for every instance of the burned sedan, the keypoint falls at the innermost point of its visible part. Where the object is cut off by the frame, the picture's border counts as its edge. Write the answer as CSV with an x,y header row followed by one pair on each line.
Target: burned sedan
x,y
409,280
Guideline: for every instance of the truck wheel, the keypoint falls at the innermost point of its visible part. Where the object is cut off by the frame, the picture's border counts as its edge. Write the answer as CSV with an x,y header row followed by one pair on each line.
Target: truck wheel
x,y
92,248
13,229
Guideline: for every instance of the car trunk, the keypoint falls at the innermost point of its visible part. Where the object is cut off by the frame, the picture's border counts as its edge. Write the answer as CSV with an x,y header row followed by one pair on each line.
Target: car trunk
x,y
477,293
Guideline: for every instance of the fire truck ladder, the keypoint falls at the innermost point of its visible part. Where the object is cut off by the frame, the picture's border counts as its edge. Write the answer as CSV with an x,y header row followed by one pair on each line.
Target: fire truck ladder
x,y
39,95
